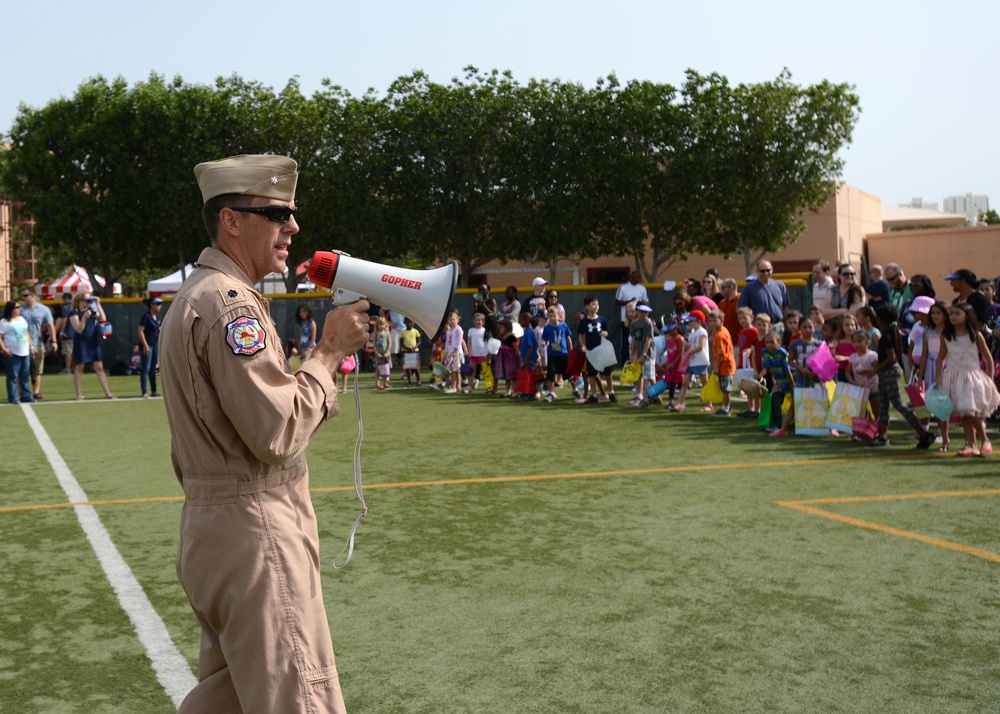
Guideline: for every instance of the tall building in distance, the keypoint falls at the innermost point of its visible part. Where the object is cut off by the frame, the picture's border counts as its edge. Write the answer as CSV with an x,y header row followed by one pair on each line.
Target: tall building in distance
x,y
969,205
919,203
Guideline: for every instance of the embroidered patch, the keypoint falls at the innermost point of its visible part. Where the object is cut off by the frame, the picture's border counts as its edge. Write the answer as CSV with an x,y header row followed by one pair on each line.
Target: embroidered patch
x,y
245,336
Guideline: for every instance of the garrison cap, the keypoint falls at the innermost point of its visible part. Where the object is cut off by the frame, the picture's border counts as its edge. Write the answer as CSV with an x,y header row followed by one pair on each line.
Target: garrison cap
x,y
268,175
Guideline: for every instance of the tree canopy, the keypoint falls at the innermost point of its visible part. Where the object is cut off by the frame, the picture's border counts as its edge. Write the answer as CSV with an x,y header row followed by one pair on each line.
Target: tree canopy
x,y
482,168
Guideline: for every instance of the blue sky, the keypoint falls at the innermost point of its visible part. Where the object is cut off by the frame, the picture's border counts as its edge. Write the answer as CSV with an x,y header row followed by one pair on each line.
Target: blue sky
x,y
924,71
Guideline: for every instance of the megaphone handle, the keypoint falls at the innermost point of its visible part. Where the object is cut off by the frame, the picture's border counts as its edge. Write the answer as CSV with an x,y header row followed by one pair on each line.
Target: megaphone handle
x,y
358,489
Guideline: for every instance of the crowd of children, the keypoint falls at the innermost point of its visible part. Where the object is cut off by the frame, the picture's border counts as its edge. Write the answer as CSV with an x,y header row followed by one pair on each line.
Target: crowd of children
x,y
534,358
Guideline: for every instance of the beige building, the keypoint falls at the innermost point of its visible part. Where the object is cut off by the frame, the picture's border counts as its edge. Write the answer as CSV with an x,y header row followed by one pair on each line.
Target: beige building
x,y
853,226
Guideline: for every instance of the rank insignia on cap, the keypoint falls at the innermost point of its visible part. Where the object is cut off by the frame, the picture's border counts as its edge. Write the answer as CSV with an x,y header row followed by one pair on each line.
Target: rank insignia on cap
x,y
245,336
274,180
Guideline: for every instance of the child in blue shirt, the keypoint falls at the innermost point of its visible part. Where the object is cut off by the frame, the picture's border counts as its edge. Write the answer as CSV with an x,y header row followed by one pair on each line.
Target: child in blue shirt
x,y
774,360
529,348
557,339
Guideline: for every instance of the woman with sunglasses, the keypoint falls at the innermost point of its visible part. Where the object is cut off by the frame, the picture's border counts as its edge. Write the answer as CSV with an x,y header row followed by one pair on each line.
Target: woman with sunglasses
x,y
845,297
16,350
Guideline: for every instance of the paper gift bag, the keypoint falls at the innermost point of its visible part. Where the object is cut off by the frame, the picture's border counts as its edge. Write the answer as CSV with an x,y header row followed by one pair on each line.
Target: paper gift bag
x,y
411,360
577,363
849,401
811,406
526,381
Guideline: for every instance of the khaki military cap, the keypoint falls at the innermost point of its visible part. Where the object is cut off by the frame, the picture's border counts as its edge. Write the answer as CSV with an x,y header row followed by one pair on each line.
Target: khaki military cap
x,y
249,175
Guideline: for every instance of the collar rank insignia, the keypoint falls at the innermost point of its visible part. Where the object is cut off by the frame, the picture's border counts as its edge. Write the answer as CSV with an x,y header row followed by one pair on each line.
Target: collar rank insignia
x,y
231,293
245,336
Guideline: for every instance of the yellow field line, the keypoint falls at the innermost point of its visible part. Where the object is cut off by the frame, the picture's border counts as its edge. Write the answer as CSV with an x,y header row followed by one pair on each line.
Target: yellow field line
x,y
804,507
498,479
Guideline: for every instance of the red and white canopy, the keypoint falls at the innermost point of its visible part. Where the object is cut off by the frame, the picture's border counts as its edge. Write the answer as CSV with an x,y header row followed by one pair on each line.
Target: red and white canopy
x,y
73,281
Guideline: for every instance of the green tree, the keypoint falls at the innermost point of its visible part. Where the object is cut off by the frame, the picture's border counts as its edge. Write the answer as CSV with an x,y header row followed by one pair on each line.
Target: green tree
x,y
648,195
763,154
451,146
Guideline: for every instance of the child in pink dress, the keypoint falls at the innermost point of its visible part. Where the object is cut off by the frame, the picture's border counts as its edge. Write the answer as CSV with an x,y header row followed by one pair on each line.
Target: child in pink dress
x,y
961,375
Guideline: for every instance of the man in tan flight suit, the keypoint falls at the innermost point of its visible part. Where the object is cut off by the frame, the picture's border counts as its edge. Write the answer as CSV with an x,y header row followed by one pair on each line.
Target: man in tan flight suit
x,y
240,423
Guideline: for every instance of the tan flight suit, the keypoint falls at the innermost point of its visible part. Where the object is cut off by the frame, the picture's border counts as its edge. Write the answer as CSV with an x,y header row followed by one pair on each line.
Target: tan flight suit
x,y
249,548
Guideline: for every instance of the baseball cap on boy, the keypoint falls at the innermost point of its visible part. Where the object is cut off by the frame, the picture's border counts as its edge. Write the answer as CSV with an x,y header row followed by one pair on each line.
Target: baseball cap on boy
x,y
696,315
539,281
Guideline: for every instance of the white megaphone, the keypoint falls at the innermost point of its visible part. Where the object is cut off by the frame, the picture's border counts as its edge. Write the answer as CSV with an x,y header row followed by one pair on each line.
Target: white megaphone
x,y
424,296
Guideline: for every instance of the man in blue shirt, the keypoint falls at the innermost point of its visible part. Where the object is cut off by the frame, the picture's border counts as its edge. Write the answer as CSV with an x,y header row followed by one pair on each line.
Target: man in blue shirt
x,y
765,294
39,319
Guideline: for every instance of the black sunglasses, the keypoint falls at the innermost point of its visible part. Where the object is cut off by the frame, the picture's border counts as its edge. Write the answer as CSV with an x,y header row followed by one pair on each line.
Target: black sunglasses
x,y
276,214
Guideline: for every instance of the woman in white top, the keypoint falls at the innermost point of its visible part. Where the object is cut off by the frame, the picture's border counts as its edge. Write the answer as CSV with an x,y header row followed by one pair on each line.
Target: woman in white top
x,y
16,350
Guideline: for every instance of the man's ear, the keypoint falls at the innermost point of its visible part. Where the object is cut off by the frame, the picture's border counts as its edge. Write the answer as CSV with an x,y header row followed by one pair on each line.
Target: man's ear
x,y
229,222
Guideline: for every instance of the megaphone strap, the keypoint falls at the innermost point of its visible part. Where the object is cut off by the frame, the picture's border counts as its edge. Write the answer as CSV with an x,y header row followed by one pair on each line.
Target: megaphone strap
x,y
358,489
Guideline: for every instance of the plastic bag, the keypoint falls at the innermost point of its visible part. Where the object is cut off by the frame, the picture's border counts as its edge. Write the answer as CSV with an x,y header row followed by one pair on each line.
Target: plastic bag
x,y
938,402
712,392
631,373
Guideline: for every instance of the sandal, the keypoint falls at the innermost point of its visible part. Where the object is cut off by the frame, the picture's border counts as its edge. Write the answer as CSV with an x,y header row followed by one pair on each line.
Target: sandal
x,y
707,410
968,451
986,449
943,448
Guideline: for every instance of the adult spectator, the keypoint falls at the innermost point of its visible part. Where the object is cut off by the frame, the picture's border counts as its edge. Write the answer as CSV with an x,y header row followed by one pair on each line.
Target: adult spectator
x,y
900,293
552,300
729,304
16,349
632,290
846,296
921,284
822,282
87,313
765,294
240,422
510,308
485,303
536,303
149,345
711,287
65,332
42,332
964,282
878,287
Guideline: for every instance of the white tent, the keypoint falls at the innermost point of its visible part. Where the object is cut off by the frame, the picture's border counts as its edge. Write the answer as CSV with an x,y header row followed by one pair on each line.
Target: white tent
x,y
168,284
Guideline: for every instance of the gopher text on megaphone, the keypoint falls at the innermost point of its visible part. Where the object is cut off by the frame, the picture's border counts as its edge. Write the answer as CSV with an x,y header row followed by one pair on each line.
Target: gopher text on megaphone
x,y
424,296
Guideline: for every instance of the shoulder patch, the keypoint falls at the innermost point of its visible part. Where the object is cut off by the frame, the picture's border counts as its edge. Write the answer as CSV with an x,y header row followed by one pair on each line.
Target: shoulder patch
x,y
245,336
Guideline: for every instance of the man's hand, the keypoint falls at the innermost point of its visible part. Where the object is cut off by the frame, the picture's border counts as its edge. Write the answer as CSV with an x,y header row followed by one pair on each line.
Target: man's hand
x,y
345,331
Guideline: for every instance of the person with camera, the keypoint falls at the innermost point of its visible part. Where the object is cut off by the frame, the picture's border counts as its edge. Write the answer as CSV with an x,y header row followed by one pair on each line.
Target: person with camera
x,y
240,422
84,318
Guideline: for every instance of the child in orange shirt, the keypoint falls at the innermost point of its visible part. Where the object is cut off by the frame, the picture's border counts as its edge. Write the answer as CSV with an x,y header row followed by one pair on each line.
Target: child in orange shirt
x,y
723,362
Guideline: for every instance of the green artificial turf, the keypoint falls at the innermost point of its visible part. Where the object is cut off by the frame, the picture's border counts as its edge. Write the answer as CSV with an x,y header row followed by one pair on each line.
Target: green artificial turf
x,y
538,558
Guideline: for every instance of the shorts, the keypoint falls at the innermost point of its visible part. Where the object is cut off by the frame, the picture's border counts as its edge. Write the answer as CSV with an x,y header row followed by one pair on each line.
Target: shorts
x,y
38,362
66,347
697,369
726,382
648,369
477,360
394,341
557,365
592,372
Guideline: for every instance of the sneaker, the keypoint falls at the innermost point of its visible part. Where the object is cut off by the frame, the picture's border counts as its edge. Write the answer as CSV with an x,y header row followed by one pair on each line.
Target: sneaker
x,y
613,397
579,400
926,440
879,441
65,371
642,404
634,401
475,384
591,400
723,413
603,397
779,432
550,397
577,394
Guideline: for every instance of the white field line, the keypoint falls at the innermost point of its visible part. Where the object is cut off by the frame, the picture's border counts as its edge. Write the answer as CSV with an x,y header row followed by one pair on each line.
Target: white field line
x,y
171,668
